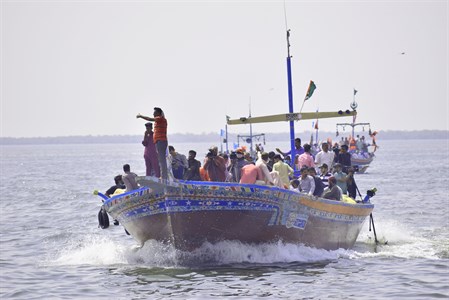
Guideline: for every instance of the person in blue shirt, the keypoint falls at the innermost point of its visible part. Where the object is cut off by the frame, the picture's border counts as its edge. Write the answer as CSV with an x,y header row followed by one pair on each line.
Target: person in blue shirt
x,y
298,149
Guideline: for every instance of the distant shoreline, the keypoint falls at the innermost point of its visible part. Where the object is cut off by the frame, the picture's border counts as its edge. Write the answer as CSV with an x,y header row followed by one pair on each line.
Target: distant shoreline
x,y
215,137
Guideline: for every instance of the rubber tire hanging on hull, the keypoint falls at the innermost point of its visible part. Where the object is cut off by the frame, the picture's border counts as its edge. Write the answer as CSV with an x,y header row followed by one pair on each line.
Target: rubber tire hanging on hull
x,y
103,219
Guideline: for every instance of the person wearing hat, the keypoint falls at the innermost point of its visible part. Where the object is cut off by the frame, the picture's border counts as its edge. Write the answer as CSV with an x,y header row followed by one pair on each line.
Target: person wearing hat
x,y
325,174
239,164
150,153
159,138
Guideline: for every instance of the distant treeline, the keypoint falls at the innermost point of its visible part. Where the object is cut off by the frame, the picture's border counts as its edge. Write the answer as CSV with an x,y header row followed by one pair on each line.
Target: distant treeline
x,y
215,137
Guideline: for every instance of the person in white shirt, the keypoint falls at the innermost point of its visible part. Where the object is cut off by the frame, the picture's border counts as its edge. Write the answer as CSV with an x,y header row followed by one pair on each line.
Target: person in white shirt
x,y
270,178
325,156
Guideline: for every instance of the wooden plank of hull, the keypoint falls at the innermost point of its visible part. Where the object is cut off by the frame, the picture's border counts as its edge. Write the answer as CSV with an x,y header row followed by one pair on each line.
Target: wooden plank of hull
x,y
291,117
187,220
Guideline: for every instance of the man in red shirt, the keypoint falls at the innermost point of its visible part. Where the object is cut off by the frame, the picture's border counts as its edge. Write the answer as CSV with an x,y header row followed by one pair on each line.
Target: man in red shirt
x,y
159,137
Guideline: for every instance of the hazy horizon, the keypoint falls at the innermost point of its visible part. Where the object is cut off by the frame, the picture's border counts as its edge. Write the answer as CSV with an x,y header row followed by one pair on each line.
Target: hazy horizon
x,y
77,68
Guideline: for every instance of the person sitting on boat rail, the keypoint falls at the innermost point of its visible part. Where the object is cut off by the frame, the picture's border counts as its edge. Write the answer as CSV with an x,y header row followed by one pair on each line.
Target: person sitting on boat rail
x,y
119,185
159,138
333,192
306,182
129,179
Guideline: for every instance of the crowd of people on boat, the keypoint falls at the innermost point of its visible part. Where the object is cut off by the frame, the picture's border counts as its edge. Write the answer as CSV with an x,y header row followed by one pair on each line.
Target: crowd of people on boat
x,y
327,173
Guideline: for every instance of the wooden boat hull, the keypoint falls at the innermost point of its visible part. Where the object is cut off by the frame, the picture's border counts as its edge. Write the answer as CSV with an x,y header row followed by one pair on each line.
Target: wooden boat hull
x,y
187,214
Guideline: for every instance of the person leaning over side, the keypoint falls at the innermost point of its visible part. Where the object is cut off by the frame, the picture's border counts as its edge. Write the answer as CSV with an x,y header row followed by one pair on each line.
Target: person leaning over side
x,y
159,138
119,185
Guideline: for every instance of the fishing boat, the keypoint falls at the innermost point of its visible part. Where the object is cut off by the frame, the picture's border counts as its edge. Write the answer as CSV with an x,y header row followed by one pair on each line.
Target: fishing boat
x,y
187,214
361,157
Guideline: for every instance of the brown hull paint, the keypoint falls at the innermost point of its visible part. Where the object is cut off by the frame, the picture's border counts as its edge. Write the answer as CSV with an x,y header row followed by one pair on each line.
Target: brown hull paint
x,y
181,215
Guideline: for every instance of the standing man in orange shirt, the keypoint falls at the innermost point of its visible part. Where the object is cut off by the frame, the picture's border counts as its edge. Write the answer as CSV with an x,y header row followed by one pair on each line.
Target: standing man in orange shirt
x,y
159,138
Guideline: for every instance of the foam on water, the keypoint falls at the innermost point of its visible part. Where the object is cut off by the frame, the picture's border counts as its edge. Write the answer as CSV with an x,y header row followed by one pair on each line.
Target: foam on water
x,y
91,250
97,250
397,240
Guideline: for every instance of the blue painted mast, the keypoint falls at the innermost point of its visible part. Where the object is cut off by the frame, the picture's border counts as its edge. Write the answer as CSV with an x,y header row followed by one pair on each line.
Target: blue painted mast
x,y
290,102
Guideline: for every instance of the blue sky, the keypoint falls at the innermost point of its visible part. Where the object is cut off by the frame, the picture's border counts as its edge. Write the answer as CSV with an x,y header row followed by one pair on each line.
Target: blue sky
x,y
88,67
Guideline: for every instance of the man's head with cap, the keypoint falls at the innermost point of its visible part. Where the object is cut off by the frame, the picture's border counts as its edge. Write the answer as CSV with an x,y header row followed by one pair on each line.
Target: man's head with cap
x,y
324,166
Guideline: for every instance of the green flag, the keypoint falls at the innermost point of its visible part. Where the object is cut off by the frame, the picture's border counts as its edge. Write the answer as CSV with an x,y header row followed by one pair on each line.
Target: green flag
x,y
310,90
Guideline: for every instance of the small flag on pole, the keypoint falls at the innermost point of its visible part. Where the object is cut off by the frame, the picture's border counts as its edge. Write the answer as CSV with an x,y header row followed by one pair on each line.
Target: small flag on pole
x,y
222,132
310,90
355,92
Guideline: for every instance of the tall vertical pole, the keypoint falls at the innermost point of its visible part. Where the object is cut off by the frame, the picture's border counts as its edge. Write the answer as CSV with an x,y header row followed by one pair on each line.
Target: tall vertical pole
x,y
250,130
290,102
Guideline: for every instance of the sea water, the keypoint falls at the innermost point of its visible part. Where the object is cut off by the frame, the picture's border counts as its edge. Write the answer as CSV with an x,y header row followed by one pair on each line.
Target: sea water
x,y
51,246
